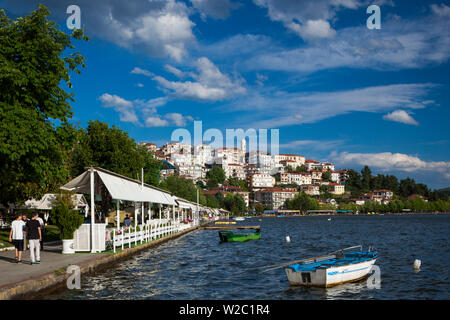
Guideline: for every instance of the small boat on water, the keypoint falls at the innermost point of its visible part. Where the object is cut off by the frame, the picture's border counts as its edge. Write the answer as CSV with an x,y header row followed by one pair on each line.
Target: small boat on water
x,y
225,222
228,236
332,269
239,218
281,216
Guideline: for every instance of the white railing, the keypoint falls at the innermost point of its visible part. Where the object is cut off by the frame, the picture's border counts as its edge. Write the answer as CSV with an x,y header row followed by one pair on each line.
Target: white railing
x,y
126,236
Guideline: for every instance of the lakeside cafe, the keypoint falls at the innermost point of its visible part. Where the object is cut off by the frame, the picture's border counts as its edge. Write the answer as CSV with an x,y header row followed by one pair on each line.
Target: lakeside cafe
x,y
92,236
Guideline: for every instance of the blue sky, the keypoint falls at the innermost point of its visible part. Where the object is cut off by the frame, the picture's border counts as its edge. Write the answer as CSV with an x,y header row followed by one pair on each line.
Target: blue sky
x,y
335,89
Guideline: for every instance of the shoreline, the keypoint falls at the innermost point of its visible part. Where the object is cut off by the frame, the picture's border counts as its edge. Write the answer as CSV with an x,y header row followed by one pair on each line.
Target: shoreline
x,y
41,284
352,214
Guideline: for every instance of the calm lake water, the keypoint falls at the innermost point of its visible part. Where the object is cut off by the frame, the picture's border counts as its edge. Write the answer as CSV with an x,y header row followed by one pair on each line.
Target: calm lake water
x,y
197,266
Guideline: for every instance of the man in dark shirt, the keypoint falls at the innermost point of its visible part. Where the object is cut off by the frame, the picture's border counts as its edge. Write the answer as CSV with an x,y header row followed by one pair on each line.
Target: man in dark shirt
x,y
127,221
34,237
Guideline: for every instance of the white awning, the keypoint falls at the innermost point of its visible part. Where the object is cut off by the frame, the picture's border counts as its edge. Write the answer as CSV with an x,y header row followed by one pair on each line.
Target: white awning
x,y
47,202
184,204
120,188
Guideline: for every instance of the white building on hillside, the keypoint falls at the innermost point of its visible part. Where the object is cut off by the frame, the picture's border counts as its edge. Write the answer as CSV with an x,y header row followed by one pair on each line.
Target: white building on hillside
x,y
294,159
312,165
261,180
203,154
299,178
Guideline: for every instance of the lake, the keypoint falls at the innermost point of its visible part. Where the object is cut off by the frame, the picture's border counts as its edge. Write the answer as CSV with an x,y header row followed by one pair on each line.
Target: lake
x,y
197,266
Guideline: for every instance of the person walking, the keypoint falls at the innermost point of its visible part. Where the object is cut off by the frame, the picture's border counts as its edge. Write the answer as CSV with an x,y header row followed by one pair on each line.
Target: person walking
x,y
16,236
42,223
34,237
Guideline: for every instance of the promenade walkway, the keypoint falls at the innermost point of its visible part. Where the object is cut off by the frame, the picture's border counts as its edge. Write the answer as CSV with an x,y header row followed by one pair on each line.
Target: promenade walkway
x,y
19,281
52,259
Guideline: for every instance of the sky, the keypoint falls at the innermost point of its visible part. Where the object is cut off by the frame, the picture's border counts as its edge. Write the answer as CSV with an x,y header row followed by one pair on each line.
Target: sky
x,y
335,89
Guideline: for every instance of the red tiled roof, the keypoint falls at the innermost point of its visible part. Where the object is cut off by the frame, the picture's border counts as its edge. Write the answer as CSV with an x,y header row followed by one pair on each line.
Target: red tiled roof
x,y
277,189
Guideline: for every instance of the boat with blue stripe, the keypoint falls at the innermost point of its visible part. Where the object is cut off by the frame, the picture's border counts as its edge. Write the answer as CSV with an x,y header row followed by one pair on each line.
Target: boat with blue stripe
x,y
332,269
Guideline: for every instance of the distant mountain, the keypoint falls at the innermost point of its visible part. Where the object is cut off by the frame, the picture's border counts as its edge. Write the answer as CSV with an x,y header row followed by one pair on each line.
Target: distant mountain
x,y
445,190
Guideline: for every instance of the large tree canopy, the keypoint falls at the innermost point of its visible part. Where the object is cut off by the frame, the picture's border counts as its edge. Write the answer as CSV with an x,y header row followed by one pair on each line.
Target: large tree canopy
x,y
183,188
112,149
35,135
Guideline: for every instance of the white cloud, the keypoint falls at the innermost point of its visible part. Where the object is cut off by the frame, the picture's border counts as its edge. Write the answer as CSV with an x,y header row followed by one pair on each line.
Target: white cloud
x,y
178,119
156,122
273,108
157,28
210,84
441,10
307,145
144,72
260,79
317,29
388,161
175,71
124,107
307,18
174,119
400,116
148,107
395,46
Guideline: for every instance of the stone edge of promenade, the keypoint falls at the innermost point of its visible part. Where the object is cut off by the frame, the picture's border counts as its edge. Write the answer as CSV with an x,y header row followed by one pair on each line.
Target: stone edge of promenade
x,y
49,281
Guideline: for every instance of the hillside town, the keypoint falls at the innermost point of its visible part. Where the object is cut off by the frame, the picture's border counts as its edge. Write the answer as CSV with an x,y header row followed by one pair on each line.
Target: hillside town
x,y
271,179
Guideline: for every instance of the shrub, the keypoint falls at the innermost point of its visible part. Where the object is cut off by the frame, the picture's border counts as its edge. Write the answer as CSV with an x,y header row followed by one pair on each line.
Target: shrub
x,y
67,221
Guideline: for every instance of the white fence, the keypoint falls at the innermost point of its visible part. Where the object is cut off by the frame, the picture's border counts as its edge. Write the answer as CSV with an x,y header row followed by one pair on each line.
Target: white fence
x,y
126,236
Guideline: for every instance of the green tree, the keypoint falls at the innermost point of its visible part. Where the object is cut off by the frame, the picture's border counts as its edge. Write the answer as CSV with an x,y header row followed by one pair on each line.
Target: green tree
x,y
259,208
301,168
215,177
36,61
112,149
354,184
302,202
235,204
183,188
211,201
326,176
366,175
236,182
220,199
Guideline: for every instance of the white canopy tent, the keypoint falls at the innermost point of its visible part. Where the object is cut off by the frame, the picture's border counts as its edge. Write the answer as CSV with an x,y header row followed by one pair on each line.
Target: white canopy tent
x,y
120,188
48,201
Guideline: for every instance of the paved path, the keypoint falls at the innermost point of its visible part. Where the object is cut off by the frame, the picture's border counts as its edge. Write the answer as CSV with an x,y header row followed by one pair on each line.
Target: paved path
x,y
51,259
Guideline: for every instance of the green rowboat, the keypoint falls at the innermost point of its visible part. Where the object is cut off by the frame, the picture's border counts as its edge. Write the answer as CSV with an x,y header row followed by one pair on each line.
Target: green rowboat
x,y
228,236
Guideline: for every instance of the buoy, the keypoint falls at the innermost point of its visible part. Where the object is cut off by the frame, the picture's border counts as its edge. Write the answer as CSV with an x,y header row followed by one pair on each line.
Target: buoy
x,y
417,264
288,239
